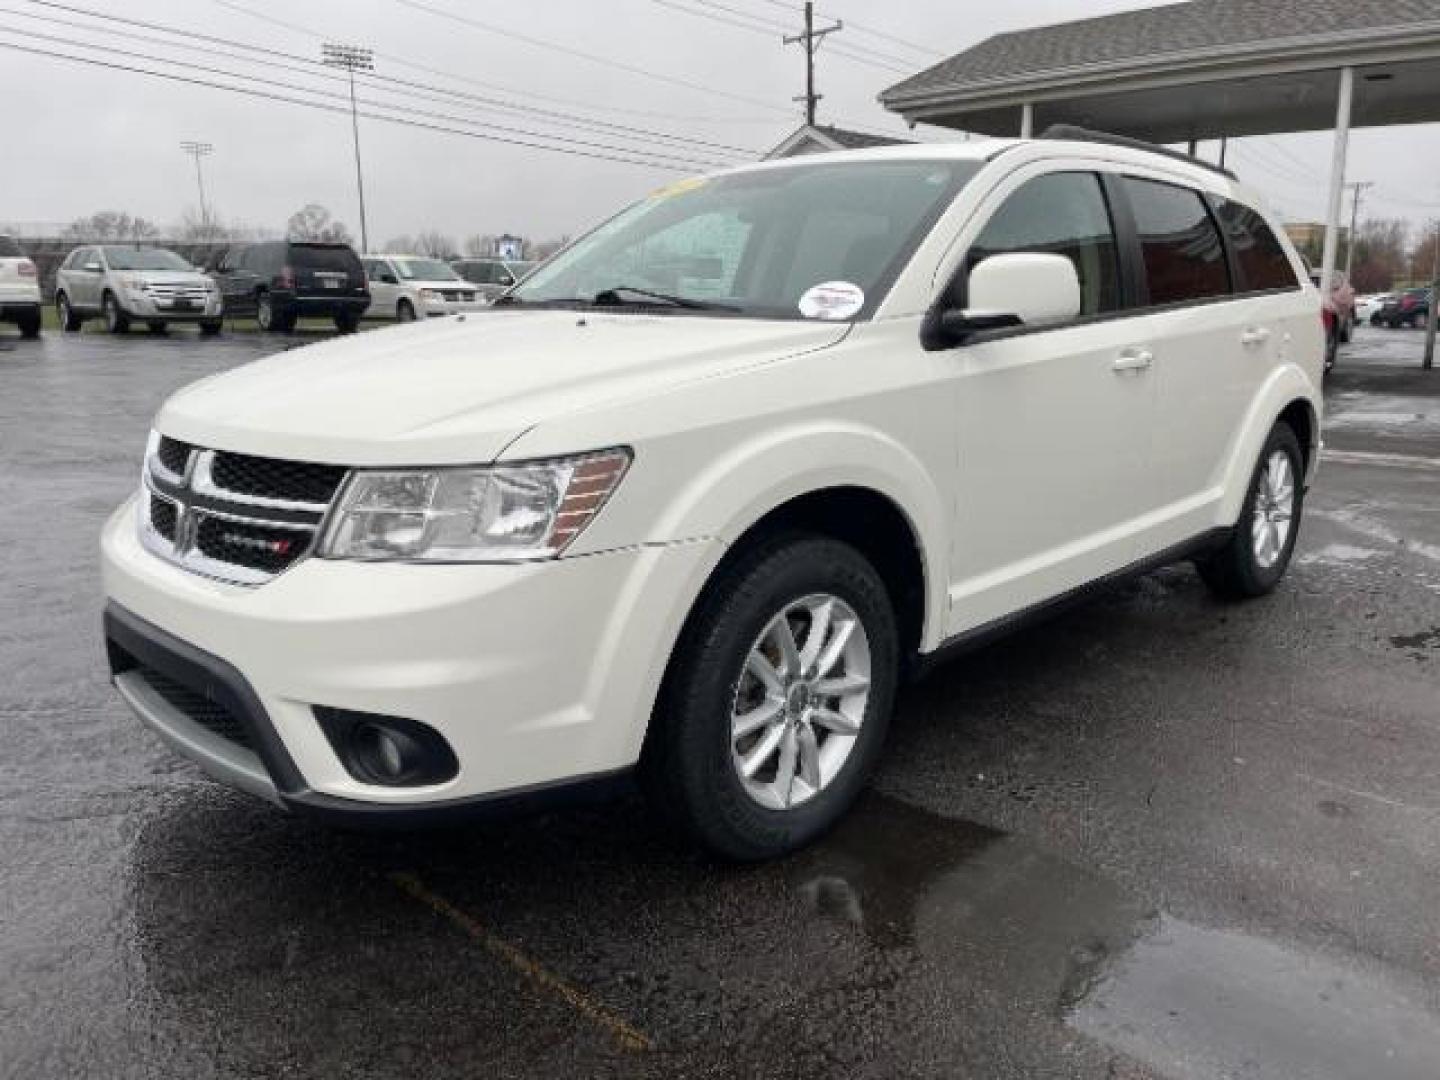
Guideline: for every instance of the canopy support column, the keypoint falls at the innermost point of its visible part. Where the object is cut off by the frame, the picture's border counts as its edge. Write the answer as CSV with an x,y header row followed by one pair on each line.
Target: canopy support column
x,y
1027,121
1337,179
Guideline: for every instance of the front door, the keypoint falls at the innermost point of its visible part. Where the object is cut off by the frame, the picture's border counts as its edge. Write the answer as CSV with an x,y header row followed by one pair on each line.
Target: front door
x,y
1054,424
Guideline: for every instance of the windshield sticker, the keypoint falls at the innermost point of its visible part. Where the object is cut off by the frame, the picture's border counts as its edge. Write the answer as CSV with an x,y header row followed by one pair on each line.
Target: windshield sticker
x,y
679,187
832,300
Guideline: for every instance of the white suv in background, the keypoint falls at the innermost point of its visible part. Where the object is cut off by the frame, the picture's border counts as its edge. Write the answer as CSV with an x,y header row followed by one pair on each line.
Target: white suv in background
x,y
690,502
407,287
19,289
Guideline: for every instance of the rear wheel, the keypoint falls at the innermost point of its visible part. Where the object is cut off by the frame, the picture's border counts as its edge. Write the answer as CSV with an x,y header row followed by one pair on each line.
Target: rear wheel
x,y
29,324
776,704
116,320
211,327
157,326
70,320
1332,347
1254,559
347,321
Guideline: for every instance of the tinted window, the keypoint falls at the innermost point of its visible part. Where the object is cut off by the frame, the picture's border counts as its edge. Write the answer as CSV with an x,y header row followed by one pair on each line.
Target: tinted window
x,y
9,249
1184,259
1060,214
1262,260
324,257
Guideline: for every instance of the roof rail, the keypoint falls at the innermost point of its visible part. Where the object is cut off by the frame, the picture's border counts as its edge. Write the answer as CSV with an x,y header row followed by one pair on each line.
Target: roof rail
x,y
1073,133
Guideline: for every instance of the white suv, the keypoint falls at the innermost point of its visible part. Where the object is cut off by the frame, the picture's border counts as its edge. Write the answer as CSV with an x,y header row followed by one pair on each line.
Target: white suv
x,y
692,500
407,287
19,289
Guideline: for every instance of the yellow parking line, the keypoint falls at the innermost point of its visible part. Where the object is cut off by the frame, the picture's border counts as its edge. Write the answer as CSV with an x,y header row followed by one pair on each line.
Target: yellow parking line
x,y
532,970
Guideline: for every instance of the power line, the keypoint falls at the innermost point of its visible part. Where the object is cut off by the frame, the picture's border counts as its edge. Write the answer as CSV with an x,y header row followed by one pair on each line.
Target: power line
x,y
314,69
863,28
581,54
250,91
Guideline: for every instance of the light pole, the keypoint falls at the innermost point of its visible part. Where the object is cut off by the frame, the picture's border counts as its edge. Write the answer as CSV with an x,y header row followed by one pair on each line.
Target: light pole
x,y
353,58
198,150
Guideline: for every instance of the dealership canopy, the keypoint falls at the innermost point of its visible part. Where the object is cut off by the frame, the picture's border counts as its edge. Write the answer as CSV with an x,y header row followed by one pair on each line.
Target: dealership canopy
x,y
1200,70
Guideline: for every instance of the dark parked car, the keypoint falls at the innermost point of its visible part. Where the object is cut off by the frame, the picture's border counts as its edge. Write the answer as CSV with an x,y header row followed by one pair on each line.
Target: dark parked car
x,y
1411,308
492,275
279,281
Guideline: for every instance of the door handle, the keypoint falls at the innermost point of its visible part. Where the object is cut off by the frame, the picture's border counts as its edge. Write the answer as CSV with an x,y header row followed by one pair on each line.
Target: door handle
x,y
1255,335
1133,360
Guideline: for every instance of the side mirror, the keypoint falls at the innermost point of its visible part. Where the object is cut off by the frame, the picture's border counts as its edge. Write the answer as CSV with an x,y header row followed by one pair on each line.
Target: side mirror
x,y
1019,289
389,279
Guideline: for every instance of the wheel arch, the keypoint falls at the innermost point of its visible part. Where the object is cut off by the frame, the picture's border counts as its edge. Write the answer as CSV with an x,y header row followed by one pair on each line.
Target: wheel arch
x,y
1287,395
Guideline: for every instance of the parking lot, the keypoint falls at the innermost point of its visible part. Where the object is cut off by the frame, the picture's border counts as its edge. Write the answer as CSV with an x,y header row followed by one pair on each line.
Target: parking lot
x,y
1152,784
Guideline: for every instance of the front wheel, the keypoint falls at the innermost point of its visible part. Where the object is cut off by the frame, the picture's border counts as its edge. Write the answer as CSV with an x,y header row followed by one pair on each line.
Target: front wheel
x,y
405,311
211,327
1254,559
158,326
775,707
116,320
70,320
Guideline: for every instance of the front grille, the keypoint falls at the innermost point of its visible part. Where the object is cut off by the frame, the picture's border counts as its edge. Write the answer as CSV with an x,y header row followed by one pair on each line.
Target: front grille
x,y
457,294
196,293
273,478
173,454
233,517
260,547
199,709
163,517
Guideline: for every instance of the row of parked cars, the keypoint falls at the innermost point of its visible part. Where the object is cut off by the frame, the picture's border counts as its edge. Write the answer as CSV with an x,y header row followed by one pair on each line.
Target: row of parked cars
x,y
277,282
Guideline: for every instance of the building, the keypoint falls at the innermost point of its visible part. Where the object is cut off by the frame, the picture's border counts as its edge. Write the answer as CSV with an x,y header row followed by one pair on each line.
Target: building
x,y
822,138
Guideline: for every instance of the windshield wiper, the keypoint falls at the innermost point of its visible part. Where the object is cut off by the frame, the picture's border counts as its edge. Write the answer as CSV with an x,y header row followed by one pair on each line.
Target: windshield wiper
x,y
612,296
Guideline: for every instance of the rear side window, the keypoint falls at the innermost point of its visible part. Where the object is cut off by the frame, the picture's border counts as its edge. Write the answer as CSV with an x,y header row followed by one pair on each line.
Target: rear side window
x,y
9,249
1184,258
325,258
1261,257
1060,214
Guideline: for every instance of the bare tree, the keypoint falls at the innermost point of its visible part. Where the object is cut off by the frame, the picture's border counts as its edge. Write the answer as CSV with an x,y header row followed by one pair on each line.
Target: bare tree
x,y
399,245
313,222
480,245
435,244
114,225
202,227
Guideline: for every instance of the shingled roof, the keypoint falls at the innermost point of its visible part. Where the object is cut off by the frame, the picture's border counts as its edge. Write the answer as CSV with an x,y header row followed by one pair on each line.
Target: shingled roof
x,y
814,138
1152,33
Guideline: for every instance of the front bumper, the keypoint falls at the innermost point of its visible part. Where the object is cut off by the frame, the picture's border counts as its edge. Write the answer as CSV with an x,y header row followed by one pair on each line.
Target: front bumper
x,y
540,677
145,307
438,308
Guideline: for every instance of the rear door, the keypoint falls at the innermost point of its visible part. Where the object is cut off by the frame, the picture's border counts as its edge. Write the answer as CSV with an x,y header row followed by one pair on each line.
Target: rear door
x,y
1211,349
384,287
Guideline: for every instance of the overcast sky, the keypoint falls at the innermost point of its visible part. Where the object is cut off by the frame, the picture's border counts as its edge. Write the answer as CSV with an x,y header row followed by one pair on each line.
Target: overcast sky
x,y
80,139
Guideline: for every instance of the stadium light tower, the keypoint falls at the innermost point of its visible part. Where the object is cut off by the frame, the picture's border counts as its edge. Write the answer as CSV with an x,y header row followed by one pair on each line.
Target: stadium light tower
x,y
353,58
198,150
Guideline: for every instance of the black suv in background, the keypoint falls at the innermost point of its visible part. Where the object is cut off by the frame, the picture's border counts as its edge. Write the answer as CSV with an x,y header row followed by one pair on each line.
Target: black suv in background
x,y
279,281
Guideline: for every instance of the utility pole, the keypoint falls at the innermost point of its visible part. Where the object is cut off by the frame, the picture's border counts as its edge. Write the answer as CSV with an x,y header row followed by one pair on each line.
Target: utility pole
x,y
352,58
1358,186
198,150
1429,361
811,40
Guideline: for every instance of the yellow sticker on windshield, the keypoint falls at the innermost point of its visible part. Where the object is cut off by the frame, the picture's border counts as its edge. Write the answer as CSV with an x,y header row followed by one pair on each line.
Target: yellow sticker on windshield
x,y
679,187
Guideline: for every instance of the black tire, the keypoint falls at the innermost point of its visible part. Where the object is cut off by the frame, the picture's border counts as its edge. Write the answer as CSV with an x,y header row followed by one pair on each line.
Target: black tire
x,y
1347,330
1332,348
1234,571
116,319
210,328
70,320
686,767
405,311
29,324
158,326
266,315
347,321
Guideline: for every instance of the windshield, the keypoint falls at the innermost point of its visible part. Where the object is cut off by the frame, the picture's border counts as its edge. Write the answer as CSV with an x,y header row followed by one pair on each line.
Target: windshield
x,y
760,243
518,268
121,258
425,270
9,249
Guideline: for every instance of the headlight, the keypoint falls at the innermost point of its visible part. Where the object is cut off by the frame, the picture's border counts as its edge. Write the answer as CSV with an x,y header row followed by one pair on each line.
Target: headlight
x,y
431,294
135,284
501,513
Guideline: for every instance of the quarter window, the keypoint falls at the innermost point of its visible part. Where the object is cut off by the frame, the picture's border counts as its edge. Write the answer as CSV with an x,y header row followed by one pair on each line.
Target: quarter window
x,y
1184,258
1261,258
1059,214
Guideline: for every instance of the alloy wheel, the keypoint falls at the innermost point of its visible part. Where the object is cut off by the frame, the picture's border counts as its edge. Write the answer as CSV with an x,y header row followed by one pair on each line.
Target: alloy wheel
x,y
800,701
1274,509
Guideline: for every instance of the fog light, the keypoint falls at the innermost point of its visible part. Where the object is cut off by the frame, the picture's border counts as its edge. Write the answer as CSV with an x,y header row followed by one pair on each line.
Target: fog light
x,y
389,750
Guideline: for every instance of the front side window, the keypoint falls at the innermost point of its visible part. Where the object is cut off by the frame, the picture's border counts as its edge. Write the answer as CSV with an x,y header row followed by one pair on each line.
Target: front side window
x,y
1059,214
756,242
1261,258
1184,257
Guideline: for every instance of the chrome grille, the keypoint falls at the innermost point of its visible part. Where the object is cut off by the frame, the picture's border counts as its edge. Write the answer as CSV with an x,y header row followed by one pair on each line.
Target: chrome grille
x,y
233,517
196,293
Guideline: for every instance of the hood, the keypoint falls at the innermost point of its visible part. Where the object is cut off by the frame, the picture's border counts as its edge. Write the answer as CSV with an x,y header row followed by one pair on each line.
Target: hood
x,y
462,389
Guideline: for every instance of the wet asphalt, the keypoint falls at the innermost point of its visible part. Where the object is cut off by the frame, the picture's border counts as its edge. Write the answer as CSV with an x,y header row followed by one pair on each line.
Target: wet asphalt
x,y
1155,837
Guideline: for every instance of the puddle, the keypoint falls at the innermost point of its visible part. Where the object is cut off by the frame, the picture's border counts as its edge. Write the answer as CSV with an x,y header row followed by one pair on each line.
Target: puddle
x,y
1343,554
1419,643
1200,1004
